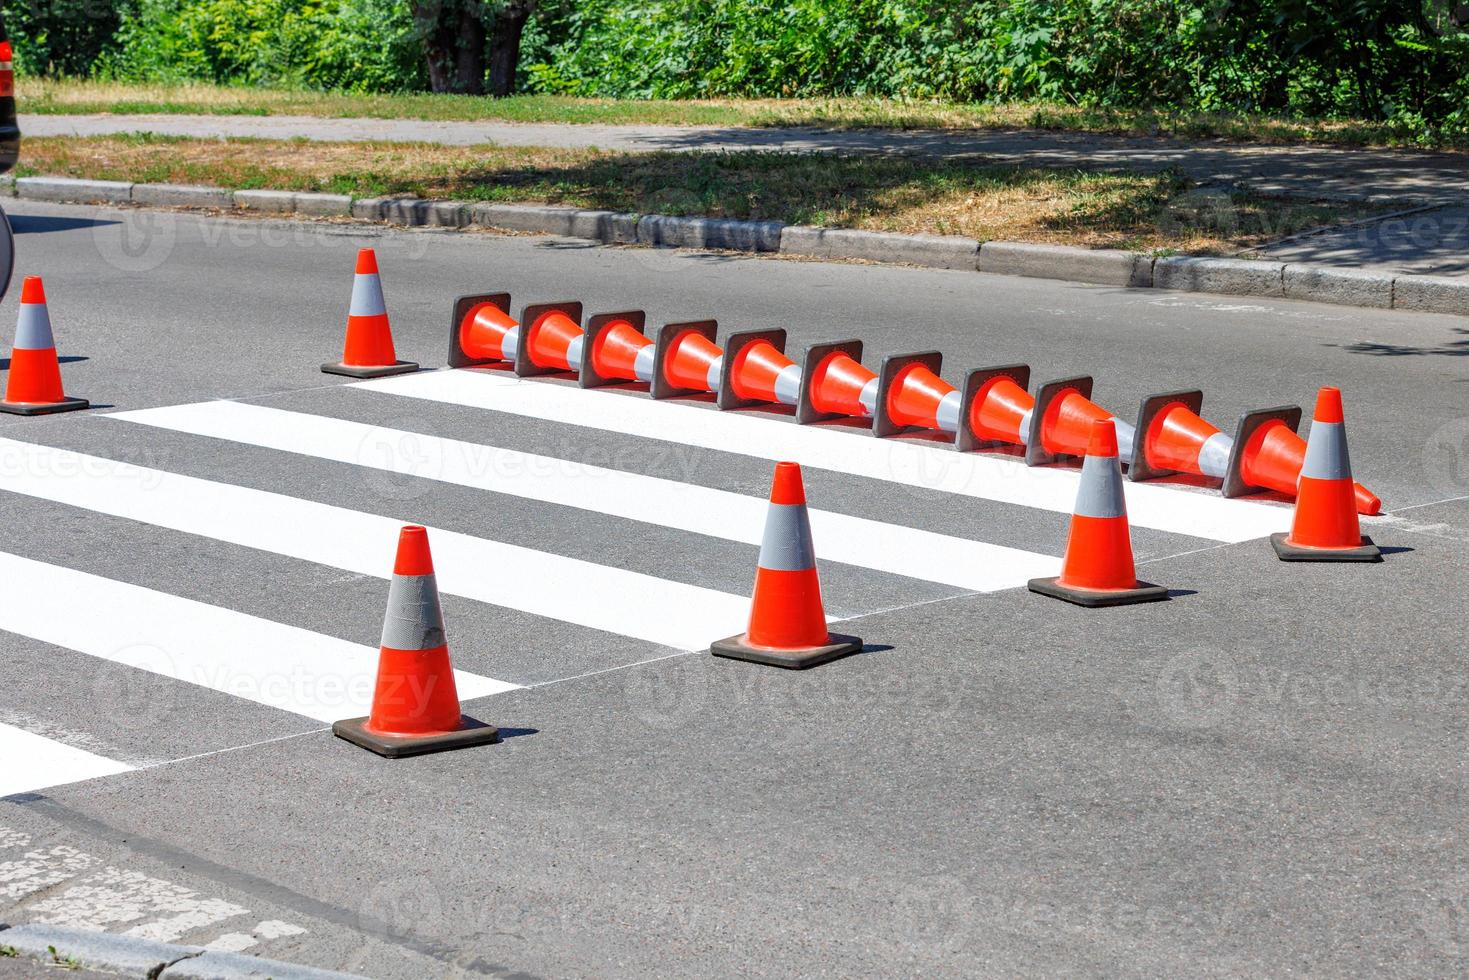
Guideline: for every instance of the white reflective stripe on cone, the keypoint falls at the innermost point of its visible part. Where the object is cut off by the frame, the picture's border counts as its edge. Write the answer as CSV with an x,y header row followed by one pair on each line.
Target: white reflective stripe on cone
x,y
642,365
413,620
573,350
1326,452
33,328
868,396
788,384
1100,494
712,377
1126,435
949,410
509,343
367,296
1214,455
786,546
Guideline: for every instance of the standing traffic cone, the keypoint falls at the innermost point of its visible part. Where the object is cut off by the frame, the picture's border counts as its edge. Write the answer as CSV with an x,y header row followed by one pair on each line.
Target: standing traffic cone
x,y
1325,525
1098,568
34,385
787,622
368,351
415,705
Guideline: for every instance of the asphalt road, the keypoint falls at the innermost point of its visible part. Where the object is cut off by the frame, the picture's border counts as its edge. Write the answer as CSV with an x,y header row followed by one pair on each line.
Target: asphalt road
x,y
1265,774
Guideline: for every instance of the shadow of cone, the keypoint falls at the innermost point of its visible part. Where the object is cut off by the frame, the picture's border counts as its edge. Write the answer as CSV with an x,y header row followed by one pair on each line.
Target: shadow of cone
x,y
787,620
1098,569
368,350
415,704
1324,526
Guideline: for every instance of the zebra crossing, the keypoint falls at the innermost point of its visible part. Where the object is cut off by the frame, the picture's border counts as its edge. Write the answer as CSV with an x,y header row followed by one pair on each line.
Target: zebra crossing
x,y
553,565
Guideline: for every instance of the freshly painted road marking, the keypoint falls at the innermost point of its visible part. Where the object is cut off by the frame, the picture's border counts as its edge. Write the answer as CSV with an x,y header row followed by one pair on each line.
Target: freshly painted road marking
x,y
33,763
568,589
901,461
286,667
891,548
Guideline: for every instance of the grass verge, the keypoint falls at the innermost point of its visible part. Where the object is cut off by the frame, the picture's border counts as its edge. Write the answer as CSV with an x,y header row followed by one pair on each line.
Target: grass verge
x,y
51,96
890,193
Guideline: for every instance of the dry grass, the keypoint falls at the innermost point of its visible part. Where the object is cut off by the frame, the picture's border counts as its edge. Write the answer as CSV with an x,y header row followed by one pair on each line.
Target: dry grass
x,y
52,96
908,194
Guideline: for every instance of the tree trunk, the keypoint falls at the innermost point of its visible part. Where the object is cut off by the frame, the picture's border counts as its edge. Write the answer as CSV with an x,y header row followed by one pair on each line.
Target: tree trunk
x,y
454,44
505,49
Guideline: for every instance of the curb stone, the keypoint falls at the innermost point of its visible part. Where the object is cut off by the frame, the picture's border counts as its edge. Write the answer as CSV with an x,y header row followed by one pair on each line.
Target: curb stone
x,y
1344,287
146,958
1106,267
1111,267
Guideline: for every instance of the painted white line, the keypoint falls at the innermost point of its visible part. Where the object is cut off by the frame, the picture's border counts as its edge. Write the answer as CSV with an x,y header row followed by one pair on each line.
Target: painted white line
x,y
924,466
568,589
33,763
286,667
959,562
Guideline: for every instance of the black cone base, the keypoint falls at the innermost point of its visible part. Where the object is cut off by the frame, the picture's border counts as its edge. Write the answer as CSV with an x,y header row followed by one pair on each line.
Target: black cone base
x,y
738,648
470,732
1286,551
43,408
379,371
1094,598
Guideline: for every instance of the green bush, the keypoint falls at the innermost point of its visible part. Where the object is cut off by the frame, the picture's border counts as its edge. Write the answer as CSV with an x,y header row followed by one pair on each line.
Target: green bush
x,y
62,37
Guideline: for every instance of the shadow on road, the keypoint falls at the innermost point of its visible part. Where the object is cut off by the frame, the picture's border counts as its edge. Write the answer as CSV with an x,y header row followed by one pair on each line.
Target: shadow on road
x,y
35,224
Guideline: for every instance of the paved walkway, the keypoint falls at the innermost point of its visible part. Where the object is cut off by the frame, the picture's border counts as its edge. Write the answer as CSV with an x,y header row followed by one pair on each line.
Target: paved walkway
x,y
1346,174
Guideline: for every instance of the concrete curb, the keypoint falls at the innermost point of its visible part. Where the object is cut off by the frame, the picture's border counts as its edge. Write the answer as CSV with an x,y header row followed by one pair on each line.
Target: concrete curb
x,y
146,958
1107,267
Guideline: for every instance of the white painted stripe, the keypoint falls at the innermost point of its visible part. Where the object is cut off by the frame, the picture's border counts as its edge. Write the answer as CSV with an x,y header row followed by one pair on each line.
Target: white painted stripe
x,y
34,763
905,462
286,667
574,591
883,547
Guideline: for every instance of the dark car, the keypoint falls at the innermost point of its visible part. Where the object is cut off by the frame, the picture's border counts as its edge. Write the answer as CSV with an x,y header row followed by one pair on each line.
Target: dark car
x,y
9,131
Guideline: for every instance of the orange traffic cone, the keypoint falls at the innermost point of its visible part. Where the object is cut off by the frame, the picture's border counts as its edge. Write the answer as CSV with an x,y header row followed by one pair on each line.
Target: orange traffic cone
x,y
551,341
1325,525
616,350
1061,420
1268,454
835,383
482,331
910,394
686,360
34,385
415,705
787,621
755,370
368,351
999,408
1098,569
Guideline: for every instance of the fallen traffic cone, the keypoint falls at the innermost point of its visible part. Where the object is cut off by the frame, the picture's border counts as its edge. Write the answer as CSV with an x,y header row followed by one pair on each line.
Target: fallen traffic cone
x,y
368,350
34,385
910,394
835,383
551,340
1098,569
756,370
1061,420
1325,525
616,350
482,331
999,408
686,360
1267,454
415,705
787,621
